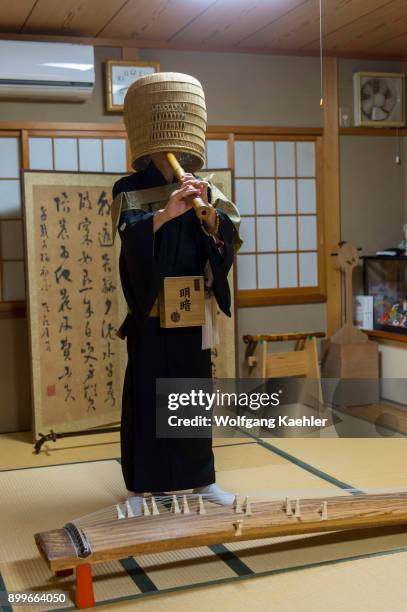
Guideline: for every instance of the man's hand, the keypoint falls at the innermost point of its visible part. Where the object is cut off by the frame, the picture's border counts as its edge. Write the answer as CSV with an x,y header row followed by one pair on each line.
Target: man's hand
x,y
180,200
202,186
178,204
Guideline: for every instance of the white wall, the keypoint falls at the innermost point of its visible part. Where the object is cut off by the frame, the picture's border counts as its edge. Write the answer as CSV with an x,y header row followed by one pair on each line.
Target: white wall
x,y
393,361
243,89
372,184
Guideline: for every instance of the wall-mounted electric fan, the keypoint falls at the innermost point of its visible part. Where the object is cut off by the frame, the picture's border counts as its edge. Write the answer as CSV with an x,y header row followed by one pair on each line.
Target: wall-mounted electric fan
x,y
378,99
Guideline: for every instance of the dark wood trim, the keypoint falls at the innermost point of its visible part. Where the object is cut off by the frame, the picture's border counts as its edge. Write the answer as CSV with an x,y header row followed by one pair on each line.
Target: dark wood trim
x,y
83,40
13,310
231,151
279,297
331,193
253,130
277,137
61,125
77,133
9,133
24,148
213,130
367,131
378,334
142,43
210,136
319,159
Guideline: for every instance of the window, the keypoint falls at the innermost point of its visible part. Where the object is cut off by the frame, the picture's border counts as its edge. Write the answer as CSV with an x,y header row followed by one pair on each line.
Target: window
x,y
276,186
78,154
276,191
73,152
217,154
11,230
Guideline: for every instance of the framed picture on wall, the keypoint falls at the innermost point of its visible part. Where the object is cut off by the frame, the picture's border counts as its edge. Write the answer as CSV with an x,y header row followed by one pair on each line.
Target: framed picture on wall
x,y
379,99
120,74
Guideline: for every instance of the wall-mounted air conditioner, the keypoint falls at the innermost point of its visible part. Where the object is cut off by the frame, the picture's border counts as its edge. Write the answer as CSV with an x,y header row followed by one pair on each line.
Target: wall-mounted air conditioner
x,y
50,71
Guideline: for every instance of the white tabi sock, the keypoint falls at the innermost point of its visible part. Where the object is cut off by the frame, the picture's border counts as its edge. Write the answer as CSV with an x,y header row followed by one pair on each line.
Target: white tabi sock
x,y
215,494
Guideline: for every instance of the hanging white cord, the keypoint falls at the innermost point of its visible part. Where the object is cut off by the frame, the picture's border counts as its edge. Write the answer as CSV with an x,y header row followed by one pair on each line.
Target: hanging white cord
x,y
398,153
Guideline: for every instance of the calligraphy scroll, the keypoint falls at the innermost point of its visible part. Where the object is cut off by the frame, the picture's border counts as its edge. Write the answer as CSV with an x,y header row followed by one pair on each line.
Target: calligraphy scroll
x,y
75,301
224,355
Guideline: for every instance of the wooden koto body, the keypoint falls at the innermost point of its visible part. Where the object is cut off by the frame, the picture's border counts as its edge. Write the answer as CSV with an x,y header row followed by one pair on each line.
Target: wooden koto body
x,y
117,539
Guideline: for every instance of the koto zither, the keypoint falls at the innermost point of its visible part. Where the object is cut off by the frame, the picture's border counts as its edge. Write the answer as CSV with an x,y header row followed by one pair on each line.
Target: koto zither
x,y
177,522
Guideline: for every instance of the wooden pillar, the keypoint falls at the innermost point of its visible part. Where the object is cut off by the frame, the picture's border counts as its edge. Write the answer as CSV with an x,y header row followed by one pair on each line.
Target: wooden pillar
x,y
129,54
331,193
404,165
403,148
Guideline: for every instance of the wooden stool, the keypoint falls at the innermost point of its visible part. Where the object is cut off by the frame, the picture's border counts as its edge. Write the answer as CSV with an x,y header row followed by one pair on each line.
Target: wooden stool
x,y
301,362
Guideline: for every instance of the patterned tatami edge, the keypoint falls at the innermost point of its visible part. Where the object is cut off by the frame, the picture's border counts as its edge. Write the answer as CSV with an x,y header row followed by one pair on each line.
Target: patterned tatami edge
x,y
220,581
148,588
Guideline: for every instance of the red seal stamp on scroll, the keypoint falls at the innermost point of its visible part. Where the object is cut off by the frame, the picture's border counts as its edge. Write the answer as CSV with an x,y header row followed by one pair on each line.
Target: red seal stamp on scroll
x,y
51,390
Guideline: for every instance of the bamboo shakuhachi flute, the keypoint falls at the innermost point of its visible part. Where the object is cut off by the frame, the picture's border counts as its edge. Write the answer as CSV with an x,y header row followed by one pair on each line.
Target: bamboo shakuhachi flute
x,y
201,208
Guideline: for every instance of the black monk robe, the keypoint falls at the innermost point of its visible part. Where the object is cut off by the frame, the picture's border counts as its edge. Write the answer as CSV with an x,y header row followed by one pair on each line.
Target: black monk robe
x,y
178,248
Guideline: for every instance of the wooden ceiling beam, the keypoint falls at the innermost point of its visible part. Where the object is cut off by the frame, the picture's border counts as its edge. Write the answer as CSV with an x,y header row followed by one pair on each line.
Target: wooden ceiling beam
x,y
226,24
392,46
120,43
368,31
14,14
300,27
154,19
71,17
338,17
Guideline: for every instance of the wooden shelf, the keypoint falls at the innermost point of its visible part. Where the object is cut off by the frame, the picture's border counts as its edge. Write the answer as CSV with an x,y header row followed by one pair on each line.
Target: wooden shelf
x,y
385,335
367,131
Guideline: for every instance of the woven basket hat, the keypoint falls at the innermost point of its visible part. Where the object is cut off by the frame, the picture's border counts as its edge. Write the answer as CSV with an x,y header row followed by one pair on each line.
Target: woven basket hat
x,y
165,112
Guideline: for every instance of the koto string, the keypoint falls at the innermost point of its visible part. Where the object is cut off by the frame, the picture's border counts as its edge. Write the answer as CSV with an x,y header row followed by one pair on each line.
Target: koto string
x,y
164,501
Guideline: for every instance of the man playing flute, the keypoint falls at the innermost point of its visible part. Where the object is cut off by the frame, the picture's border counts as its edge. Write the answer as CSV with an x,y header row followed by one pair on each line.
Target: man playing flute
x,y
162,236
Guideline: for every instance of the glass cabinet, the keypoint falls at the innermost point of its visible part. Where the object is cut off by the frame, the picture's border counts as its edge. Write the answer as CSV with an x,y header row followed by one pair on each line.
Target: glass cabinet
x,y
385,278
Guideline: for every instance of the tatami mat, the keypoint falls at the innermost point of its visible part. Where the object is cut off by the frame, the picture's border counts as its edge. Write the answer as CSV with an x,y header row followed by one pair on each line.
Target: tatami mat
x,y
364,585
39,499
17,449
363,463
